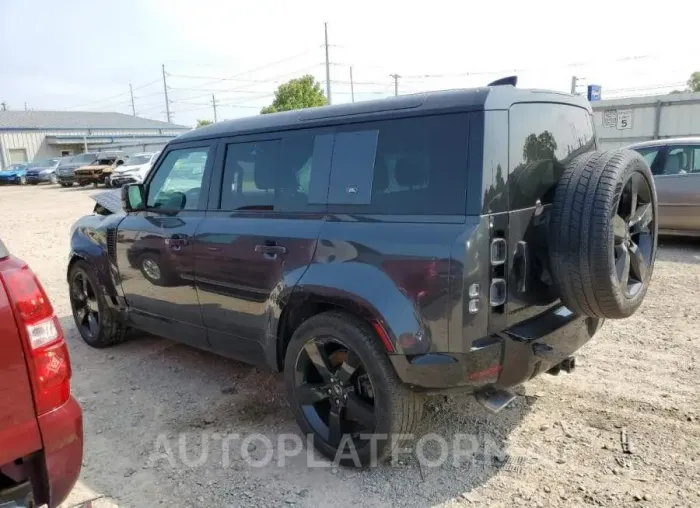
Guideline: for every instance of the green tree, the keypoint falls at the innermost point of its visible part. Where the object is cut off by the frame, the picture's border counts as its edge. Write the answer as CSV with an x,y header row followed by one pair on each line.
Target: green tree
x,y
202,123
298,93
694,82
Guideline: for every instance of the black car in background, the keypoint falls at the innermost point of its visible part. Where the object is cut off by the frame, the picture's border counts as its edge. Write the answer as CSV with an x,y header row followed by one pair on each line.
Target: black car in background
x,y
65,171
378,251
42,171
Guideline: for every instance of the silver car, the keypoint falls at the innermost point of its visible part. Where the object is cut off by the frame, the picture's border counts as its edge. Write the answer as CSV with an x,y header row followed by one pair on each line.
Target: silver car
x,y
675,163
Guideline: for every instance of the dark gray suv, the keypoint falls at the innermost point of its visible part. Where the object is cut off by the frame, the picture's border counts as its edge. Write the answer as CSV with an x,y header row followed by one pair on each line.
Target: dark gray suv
x,y
377,252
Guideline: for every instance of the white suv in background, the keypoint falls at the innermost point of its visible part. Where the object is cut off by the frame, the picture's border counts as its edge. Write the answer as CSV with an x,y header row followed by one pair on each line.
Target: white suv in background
x,y
135,169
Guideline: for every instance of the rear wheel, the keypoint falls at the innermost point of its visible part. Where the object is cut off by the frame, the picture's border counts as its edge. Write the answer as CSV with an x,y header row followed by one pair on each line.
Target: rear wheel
x,y
344,391
95,321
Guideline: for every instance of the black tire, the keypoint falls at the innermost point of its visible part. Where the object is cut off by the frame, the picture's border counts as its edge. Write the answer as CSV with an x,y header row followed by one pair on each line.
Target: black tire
x,y
397,409
33,183
64,184
602,257
53,179
110,330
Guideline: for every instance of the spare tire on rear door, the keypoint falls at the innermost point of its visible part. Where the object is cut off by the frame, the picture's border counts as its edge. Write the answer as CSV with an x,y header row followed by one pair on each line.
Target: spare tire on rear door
x,y
603,233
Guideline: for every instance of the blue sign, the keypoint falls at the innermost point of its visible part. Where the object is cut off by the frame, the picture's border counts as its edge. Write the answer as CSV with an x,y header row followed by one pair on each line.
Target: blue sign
x,y
594,92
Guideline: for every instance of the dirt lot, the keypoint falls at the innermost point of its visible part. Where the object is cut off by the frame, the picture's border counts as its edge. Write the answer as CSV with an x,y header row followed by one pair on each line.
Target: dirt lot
x,y
149,396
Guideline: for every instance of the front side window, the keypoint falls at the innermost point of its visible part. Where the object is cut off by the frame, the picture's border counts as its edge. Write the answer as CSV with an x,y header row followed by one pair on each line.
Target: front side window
x,y
679,160
649,154
177,182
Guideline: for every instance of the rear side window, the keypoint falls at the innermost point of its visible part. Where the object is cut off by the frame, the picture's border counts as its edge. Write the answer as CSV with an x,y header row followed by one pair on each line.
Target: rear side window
x,y
412,166
543,139
279,174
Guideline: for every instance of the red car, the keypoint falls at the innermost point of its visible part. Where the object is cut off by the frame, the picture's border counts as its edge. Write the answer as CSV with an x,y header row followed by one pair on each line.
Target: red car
x,y
41,424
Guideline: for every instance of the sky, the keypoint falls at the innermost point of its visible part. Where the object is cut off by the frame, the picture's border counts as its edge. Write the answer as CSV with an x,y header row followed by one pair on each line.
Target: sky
x,y
83,54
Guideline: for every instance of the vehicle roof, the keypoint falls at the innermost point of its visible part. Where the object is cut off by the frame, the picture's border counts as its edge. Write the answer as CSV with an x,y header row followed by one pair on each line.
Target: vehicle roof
x,y
445,101
693,140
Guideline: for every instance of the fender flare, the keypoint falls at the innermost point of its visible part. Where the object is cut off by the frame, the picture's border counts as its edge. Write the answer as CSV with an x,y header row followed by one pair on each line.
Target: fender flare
x,y
347,285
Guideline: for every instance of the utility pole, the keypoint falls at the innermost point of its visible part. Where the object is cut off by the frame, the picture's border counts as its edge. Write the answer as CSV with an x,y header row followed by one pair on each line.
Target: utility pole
x,y
165,90
133,107
352,86
25,106
396,84
574,80
328,66
213,102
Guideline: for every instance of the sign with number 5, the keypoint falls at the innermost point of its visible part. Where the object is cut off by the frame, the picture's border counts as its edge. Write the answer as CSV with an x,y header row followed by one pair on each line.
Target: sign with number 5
x,y
624,119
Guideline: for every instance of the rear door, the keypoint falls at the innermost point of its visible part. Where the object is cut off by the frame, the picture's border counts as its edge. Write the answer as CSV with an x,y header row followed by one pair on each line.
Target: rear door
x,y
259,235
678,188
544,137
19,431
155,246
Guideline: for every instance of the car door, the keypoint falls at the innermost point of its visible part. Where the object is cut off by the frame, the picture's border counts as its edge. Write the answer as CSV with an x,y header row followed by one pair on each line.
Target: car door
x,y
154,246
678,189
258,237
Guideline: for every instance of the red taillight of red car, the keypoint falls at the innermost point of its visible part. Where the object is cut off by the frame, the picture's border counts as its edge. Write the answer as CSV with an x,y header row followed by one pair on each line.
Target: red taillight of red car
x,y
49,363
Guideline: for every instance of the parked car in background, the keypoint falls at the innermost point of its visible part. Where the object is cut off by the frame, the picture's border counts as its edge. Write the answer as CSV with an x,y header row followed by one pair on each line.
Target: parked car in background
x,y
100,169
429,248
41,425
134,170
42,171
66,167
675,164
14,173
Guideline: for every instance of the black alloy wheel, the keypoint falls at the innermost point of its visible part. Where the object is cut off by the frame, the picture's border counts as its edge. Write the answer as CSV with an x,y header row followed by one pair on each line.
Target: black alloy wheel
x,y
633,231
334,391
84,302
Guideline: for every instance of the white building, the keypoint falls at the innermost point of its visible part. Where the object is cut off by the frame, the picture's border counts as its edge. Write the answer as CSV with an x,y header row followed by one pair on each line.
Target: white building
x,y
34,135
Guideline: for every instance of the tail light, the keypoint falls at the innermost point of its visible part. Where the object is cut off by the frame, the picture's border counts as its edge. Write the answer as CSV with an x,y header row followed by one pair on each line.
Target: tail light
x,y
47,354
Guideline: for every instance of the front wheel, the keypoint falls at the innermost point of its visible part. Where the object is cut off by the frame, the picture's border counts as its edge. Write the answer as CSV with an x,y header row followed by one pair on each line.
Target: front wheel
x,y
53,179
94,319
344,392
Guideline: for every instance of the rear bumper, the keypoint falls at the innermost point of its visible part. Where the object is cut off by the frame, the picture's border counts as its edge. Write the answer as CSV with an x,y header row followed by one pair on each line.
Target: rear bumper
x,y
10,179
62,435
508,359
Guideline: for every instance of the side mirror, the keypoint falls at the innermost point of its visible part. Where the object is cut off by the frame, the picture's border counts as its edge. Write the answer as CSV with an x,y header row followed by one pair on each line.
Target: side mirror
x,y
133,197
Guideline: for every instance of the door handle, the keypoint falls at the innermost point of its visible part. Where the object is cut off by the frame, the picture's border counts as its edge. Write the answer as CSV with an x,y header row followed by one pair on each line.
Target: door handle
x,y
271,248
523,262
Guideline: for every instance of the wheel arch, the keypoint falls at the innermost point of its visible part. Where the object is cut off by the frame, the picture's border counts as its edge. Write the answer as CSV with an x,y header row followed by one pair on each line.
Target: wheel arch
x,y
388,313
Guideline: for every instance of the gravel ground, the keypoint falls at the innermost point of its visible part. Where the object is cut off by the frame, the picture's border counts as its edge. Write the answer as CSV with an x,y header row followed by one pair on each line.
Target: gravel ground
x,y
154,408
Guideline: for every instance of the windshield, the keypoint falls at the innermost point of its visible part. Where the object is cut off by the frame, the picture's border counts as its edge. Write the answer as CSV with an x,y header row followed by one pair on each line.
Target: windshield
x,y
42,164
15,167
84,157
137,160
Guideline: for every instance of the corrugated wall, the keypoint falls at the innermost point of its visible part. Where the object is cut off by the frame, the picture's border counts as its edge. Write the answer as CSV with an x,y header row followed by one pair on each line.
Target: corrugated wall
x,y
620,122
33,142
